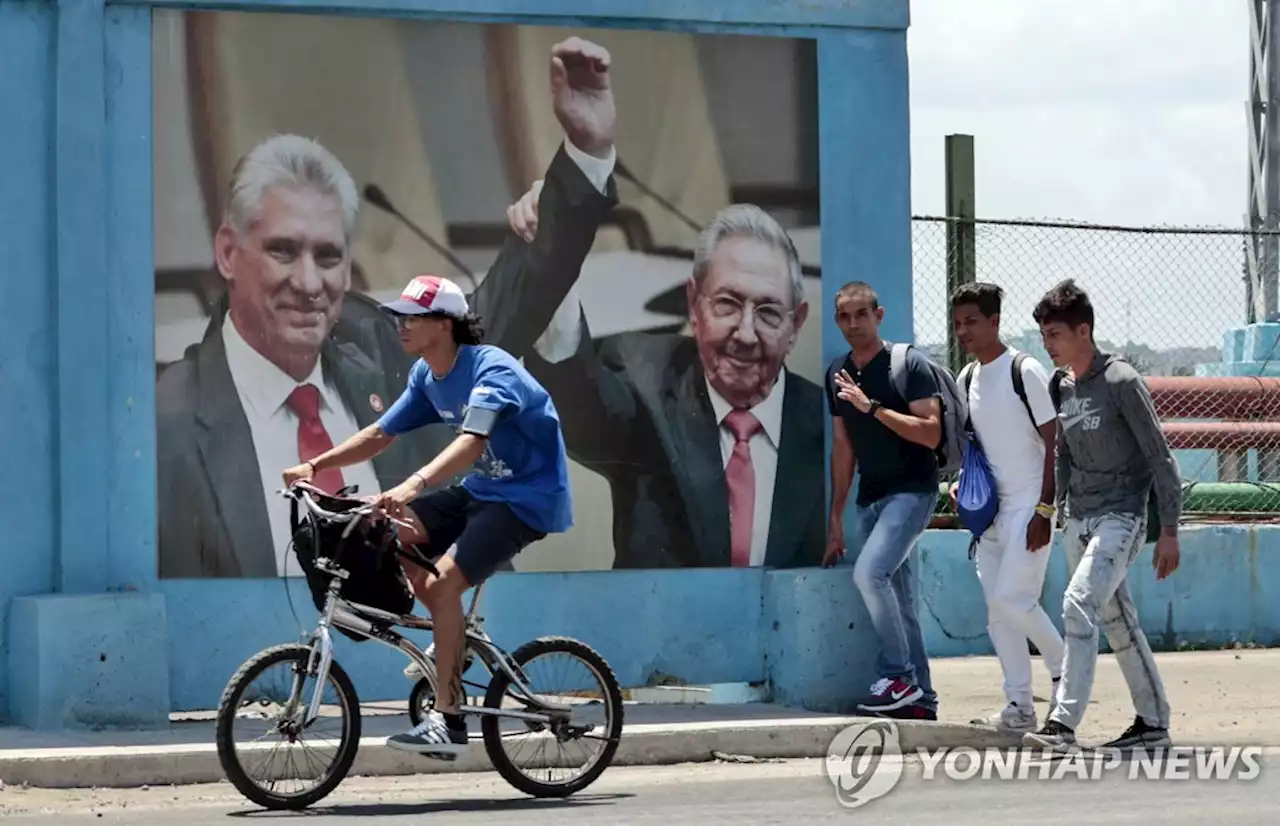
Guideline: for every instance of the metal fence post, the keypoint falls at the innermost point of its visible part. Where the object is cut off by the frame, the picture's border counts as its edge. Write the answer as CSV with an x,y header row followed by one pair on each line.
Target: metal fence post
x,y
961,237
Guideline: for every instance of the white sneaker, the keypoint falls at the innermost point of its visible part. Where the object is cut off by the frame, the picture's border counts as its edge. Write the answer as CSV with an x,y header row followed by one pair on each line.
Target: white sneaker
x,y
432,738
414,671
1011,718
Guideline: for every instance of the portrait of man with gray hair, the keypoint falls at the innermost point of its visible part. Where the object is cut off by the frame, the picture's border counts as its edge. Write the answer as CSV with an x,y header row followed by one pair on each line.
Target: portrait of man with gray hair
x,y
712,448
271,383
298,363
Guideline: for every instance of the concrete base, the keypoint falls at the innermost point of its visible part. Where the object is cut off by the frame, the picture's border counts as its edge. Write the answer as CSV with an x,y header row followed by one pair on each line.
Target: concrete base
x,y
94,661
819,645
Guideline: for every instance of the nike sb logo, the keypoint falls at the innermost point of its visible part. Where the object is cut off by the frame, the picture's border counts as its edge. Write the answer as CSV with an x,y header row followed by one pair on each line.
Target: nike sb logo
x,y
898,695
1080,411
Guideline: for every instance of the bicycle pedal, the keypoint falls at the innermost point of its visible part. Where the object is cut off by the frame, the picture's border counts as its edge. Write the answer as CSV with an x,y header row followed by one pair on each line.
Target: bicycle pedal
x,y
440,755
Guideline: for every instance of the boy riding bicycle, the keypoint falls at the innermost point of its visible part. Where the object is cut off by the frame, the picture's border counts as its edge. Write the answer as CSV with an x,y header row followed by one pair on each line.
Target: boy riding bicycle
x,y
518,491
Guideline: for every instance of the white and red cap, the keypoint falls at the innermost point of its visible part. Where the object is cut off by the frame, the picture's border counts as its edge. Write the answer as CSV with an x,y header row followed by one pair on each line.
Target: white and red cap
x,y
430,295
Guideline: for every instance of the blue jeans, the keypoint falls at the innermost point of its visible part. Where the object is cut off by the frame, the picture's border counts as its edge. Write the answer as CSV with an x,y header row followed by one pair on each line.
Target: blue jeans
x,y
886,578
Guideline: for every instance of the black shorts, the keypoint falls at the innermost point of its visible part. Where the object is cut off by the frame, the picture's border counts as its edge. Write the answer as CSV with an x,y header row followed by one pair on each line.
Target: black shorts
x,y
481,536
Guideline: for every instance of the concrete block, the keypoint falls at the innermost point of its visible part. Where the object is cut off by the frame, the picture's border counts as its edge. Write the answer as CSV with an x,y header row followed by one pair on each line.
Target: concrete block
x,y
1260,342
820,647
89,661
1233,345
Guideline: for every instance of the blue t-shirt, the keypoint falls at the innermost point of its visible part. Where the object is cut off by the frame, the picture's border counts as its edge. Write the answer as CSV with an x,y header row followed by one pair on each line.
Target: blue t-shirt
x,y
524,462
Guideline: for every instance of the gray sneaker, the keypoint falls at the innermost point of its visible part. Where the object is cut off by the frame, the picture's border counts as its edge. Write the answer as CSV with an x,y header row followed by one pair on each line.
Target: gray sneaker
x,y
1012,717
1052,735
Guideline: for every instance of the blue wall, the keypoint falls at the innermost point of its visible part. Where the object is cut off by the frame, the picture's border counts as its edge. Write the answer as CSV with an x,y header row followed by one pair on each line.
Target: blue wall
x,y
804,631
78,404
28,331
77,407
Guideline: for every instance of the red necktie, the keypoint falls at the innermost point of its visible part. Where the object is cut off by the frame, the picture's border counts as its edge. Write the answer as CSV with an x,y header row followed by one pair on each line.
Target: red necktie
x,y
741,477
313,439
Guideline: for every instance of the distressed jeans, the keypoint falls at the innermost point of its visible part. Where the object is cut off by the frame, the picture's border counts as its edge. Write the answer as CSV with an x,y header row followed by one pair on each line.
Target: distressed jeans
x,y
886,578
1100,551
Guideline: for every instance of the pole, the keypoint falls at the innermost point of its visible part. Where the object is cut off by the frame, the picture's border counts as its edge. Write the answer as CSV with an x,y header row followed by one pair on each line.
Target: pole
x,y
1271,181
961,235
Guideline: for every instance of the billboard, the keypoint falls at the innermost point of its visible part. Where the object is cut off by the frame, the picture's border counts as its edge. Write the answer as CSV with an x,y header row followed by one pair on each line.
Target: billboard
x,y
661,281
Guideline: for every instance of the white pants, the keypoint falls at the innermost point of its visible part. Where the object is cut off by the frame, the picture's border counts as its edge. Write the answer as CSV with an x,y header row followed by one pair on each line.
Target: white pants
x,y
1012,578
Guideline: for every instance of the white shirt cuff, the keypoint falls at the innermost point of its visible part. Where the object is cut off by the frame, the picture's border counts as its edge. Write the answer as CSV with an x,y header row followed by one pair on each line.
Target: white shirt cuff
x,y
596,169
561,338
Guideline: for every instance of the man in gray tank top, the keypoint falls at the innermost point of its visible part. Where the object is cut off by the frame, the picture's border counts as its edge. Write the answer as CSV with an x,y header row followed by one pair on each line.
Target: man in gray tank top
x,y
1112,456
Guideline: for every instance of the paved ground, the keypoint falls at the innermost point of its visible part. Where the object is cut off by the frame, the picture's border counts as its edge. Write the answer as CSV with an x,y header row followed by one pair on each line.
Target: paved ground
x,y
784,792
1217,697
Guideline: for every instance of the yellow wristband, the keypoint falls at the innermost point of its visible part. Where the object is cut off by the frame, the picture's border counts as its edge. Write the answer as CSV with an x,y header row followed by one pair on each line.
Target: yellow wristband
x,y
1047,511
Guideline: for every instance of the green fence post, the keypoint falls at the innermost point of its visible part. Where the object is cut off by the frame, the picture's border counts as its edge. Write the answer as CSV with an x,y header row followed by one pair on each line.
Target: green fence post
x,y
961,246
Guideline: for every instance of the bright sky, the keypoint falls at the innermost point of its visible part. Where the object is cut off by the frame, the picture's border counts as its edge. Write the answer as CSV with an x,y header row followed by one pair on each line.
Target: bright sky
x,y
1105,111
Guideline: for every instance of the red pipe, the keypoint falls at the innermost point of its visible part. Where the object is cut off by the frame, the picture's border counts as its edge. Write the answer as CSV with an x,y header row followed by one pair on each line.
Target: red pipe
x,y
1222,435
1232,397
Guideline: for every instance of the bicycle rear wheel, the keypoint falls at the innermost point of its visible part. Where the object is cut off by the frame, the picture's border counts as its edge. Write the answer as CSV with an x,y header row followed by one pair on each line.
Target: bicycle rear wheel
x,y
549,742
257,770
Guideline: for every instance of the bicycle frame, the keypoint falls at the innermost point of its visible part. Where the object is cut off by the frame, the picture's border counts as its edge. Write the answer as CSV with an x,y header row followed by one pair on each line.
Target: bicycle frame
x,y
375,624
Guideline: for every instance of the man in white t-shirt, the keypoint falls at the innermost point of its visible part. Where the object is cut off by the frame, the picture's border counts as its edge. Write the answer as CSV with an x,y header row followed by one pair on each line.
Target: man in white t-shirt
x,y
1015,422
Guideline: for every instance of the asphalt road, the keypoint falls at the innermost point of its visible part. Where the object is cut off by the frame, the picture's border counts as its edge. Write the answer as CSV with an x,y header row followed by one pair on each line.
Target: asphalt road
x,y
713,793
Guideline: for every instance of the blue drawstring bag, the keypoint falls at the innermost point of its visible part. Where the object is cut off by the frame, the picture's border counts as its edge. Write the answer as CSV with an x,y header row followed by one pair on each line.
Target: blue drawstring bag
x,y
976,499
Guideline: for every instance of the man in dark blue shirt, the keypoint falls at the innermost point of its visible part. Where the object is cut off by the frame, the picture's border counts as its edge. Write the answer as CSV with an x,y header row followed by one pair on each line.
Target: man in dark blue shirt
x,y
518,492
890,437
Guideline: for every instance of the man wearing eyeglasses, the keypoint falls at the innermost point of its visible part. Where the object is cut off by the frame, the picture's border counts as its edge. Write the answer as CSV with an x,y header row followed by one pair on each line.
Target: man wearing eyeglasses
x,y
713,450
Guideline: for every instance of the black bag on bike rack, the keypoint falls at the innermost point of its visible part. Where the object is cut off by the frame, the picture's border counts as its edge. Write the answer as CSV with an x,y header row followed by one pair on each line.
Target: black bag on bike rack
x,y
375,577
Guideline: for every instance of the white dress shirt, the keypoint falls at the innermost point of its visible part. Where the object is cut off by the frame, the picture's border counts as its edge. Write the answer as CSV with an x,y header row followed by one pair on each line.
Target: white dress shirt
x,y
764,457
263,389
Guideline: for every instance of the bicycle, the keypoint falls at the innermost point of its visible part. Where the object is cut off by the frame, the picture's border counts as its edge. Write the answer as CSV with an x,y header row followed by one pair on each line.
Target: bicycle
x,y
315,658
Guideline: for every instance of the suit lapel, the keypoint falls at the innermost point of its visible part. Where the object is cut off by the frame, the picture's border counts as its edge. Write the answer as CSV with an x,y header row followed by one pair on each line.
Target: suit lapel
x,y
700,469
794,495
359,381
225,445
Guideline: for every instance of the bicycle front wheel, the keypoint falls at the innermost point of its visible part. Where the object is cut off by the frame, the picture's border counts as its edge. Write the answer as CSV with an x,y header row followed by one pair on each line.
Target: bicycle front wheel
x,y
271,694
566,756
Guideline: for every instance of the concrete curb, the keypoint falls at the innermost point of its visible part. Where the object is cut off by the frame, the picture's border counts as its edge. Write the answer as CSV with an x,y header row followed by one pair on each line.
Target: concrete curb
x,y
642,745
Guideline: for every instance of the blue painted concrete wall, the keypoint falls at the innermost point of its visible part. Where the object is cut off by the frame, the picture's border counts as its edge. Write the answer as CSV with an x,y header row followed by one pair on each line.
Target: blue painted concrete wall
x,y
76,324
77,407
797,629
28,332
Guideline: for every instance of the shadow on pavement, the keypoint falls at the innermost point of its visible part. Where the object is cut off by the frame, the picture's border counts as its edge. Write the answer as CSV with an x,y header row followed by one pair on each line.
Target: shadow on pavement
x,y
439,806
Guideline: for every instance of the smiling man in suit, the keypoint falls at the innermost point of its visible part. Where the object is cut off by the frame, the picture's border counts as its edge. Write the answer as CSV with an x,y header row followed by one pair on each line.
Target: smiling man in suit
x,y
298,364
712,449
272,381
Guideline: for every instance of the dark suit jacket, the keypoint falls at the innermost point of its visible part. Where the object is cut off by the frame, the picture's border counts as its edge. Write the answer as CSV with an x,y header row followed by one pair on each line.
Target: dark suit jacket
x,y
213,519
635,409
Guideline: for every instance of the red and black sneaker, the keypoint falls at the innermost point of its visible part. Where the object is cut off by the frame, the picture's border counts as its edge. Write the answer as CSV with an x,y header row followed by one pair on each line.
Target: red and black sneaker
x,y
890,695
916,711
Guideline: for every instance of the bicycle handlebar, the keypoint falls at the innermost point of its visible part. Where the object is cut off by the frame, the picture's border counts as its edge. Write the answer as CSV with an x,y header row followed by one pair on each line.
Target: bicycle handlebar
x,y
305,493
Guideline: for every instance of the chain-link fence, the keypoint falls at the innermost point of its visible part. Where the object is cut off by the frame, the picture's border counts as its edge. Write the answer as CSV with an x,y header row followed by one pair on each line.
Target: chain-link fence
x,y
1171,300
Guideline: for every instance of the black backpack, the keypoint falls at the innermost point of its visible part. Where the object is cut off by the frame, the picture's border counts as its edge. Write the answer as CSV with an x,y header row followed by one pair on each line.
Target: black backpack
x,y
368,555
1019,386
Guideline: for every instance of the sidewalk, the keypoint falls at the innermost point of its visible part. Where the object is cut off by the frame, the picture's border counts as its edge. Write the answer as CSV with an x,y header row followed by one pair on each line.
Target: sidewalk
x,y
1213,695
